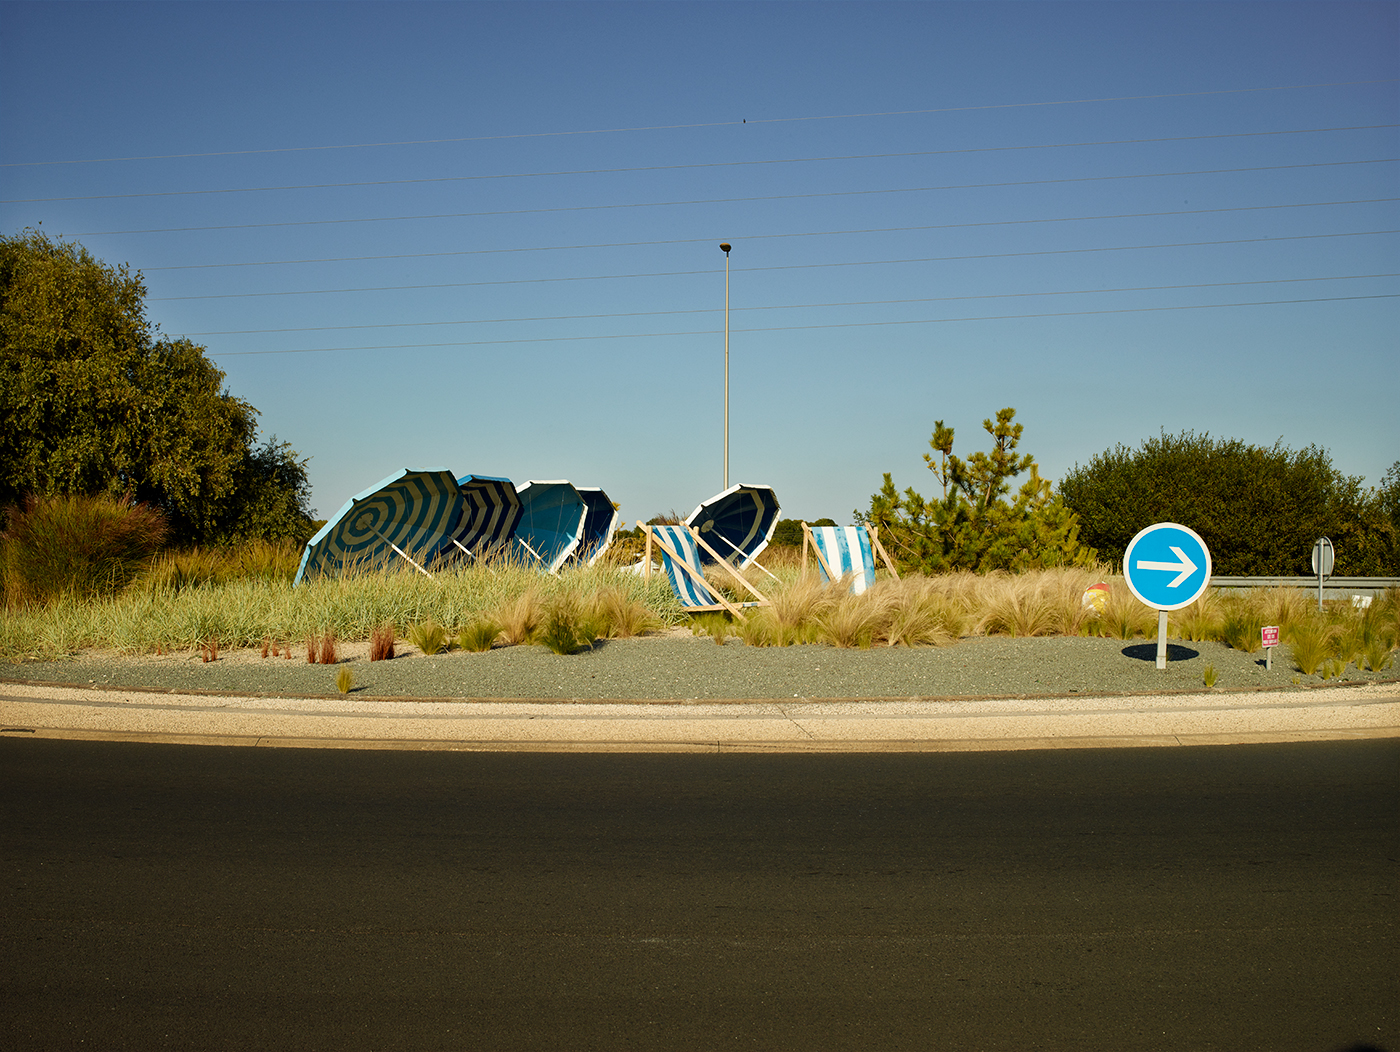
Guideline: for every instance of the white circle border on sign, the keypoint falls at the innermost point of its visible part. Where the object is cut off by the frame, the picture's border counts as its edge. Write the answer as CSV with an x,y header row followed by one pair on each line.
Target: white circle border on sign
x,y
1128,554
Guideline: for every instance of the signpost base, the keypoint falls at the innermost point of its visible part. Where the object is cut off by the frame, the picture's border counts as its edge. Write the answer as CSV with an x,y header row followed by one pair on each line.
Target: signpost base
x,y
1161,639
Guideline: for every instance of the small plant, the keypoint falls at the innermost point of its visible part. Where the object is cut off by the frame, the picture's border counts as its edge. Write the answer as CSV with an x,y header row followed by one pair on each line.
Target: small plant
x,y
479,636
428,636
345,679
715,625
621,616
328,650
313,649
1310,640
519,618
209,649
563,633
381,642
1209,676
1240,631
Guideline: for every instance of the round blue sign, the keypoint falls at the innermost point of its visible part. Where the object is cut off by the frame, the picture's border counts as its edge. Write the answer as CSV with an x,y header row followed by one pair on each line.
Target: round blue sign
x,y
1167,566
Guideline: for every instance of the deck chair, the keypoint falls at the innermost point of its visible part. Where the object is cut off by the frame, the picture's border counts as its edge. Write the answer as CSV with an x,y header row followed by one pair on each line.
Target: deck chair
x,y
845,551
680,559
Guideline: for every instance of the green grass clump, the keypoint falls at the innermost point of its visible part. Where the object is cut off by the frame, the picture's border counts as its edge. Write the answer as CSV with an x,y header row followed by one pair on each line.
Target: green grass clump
x,y
478,636
1241,630
82,547
345,679
566,632
1310,642
1209,676
428,636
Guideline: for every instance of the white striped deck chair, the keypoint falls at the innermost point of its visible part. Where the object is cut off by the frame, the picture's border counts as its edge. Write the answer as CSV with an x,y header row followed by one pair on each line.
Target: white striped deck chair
x,y
680,559
845,551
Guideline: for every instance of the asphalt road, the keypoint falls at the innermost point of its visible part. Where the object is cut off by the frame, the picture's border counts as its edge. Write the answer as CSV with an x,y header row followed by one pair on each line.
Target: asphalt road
x,y
160,896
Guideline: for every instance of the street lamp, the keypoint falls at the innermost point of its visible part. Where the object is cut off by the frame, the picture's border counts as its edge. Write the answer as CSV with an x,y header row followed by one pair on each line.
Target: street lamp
x,y
725,247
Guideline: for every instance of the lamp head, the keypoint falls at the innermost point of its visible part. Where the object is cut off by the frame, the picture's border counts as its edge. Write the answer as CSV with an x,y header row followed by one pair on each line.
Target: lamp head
x,y
725,247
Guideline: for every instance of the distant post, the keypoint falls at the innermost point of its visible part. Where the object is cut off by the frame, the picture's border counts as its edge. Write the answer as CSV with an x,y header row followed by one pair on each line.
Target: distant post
x,y
1323,558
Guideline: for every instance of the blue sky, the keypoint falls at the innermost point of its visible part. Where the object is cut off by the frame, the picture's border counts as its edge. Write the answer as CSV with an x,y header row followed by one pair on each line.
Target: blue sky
x,y
485,236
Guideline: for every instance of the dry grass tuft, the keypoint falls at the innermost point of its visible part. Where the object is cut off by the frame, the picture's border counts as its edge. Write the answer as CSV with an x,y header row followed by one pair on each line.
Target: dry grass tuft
x,y
381,642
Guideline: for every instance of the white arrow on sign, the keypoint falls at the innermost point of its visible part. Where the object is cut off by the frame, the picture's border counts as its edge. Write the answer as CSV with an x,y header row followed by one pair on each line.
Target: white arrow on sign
x,y
1186,566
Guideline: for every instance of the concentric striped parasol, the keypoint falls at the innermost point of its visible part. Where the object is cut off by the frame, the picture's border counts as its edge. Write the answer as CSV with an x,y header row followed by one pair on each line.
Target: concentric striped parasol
x,y
410,515
490,514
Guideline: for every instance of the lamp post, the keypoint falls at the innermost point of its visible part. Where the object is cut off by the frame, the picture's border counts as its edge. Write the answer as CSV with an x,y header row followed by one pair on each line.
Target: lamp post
x,y
725,247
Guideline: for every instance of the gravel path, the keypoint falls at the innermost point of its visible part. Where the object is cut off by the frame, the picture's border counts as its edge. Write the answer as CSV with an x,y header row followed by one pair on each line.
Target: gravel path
x,y
678,666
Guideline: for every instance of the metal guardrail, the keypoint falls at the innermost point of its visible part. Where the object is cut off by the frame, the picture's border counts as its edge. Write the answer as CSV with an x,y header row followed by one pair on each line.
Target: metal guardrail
x,y
1332,586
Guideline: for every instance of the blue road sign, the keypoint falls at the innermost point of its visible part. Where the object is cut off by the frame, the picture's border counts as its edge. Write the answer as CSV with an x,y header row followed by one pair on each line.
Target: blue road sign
x,y
1167,566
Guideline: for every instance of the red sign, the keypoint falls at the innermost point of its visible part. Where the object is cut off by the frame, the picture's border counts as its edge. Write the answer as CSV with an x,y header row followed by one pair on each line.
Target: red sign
x,y
1269,634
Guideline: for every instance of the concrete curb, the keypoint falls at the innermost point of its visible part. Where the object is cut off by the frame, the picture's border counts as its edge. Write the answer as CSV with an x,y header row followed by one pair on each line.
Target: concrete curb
x,y
755,725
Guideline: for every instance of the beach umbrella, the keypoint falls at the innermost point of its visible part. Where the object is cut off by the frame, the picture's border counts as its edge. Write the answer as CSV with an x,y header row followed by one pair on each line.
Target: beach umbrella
x,y
599,524
551,523
410,515
490,513
737,523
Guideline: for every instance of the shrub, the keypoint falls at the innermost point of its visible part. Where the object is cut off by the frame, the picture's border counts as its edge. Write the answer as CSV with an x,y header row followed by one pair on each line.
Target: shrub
x,y
519,618
428,636
619,615
79,546
1241,630
479,636
1310,642
564,632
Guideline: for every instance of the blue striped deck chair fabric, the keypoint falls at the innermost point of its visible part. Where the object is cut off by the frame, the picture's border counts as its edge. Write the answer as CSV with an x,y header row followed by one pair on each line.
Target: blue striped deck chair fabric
x,y
844,551
680,560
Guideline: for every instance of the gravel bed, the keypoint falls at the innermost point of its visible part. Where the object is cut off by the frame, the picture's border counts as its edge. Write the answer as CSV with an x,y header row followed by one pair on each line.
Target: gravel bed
x,y
679,666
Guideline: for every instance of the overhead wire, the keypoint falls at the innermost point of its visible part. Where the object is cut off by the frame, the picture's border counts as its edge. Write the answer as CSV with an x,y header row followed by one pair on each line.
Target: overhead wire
x,y
686,167
794,306
794,328
763,237
789,266
710,124
741,200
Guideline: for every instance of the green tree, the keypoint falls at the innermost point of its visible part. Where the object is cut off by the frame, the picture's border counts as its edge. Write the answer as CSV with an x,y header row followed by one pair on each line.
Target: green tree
x,y
1258,510
973,526
93,401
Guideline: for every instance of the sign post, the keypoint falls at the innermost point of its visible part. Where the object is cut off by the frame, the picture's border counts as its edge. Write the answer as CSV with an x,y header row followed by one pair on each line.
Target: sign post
x,y
1167,566
1268,635
1323,556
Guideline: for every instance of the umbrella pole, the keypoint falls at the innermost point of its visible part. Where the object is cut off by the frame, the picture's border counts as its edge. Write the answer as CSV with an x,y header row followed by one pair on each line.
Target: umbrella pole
x,y
405,554
473,554
538,557
731,544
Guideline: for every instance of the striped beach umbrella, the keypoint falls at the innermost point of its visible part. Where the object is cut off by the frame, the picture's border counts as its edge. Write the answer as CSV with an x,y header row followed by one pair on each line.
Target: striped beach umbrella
x,y
551,523
599,524
491,512
737,523
408,516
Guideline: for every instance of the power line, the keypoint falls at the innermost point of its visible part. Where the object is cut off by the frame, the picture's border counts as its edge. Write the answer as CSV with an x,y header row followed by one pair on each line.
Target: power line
x,y
763,237
795,306
755,270
740,200
793,328
686,167
708,124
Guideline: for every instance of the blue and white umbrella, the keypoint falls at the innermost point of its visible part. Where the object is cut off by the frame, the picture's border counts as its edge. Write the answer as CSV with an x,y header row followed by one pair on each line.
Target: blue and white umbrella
x,y
490,514
551,523
410,515
737,523
599,524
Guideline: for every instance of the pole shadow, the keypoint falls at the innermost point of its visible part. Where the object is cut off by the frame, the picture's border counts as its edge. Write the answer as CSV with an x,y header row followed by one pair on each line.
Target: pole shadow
x,y
1148,652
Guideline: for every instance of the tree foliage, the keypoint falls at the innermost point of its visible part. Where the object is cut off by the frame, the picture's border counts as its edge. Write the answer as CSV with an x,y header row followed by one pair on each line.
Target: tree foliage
x,y
93,400
1258,510
973,526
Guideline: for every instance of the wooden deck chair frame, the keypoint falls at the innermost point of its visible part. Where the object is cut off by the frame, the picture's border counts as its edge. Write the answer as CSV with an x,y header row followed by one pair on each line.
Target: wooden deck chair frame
x,y
696,576
873,532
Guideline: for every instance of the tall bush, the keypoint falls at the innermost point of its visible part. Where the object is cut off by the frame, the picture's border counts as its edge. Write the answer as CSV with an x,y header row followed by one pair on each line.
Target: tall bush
x,y
78,546
973,526
1259,510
